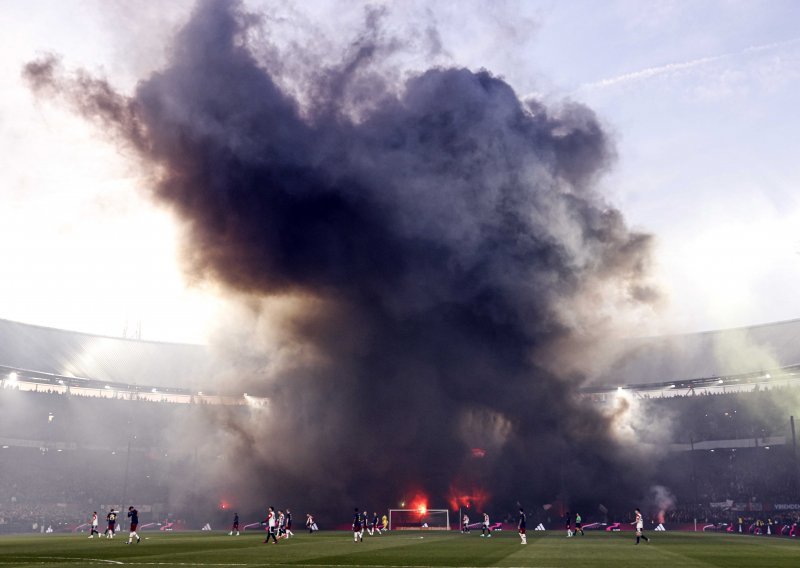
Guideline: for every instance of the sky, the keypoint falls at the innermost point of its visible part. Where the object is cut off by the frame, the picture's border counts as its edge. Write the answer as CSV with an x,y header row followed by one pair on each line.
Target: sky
x,y
699,97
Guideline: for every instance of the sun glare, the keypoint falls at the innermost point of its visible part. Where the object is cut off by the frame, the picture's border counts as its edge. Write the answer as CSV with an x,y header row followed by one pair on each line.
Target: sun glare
x,y
86,250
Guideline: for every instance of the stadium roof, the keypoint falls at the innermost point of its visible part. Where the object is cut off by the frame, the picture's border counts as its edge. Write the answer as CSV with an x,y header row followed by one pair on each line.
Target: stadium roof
x,y
114,359
640,361
720,353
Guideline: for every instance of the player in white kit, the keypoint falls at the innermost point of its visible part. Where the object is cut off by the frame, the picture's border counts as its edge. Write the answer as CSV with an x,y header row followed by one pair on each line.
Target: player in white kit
x,y
639,522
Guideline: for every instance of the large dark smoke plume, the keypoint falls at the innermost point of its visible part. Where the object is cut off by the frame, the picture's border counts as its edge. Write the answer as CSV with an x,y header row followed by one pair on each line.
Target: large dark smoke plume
x,y
441,245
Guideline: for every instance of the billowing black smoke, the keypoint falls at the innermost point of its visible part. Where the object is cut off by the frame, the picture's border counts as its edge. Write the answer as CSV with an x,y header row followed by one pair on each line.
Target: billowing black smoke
x,y
441,242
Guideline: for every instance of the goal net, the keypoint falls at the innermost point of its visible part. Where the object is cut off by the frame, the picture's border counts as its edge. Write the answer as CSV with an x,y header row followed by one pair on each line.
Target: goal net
x,y
414,519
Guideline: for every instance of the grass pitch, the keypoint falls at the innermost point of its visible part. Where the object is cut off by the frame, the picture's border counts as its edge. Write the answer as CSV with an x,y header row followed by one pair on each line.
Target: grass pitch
x,y
405,549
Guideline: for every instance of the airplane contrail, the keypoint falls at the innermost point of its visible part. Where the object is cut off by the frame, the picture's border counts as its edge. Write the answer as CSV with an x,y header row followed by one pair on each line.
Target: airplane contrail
x,y
680,66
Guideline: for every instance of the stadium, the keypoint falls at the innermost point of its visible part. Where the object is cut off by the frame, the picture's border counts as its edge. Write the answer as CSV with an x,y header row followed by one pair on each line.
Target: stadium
x,y
86,425
421,284
87,420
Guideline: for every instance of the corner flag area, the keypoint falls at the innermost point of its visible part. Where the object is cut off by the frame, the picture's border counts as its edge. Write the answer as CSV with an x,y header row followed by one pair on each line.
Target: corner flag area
x,y
405,550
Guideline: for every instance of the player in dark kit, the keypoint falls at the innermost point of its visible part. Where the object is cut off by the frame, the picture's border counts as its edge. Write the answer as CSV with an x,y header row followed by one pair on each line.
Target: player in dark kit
x,y
111,519
358,535
133,514
235,526
568,524
376,524
364,521
521,524
289,524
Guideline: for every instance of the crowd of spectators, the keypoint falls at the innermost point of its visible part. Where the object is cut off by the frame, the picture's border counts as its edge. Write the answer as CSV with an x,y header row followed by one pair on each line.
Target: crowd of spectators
x,y
63,456
61,489
709,415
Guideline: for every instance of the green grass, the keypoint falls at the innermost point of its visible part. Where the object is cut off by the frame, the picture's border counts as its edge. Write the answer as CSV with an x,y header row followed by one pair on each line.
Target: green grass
x,y
405,550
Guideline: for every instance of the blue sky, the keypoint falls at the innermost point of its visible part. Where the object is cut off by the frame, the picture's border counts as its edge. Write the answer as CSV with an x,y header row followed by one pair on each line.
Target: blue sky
x,y
700,97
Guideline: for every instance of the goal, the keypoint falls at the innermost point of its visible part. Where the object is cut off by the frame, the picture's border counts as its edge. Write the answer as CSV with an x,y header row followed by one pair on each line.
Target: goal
x,y
415,519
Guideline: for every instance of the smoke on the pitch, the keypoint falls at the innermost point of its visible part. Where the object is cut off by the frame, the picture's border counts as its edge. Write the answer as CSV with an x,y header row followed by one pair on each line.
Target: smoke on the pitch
x,y
430,259
660,501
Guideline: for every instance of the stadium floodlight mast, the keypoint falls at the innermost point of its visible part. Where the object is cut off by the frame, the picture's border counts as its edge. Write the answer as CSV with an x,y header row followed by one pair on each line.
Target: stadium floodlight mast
x,y
419,519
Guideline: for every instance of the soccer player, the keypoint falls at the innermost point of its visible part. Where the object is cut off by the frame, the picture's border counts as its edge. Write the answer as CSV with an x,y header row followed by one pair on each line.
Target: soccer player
x,y
639,522
578,524
521,526
235,525
312,526
364,521
94,526
133,514
270,521
465,524
385,520
568,524
111,519
358,531
485,530
289,524
375,527
281,524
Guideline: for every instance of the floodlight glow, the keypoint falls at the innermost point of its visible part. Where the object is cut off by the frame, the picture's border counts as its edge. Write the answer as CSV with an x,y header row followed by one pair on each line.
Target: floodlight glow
x,y
108,387
154,390
720,381
12,377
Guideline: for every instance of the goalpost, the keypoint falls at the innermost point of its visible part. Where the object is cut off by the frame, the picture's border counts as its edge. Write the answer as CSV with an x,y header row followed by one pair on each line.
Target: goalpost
x,y
415,519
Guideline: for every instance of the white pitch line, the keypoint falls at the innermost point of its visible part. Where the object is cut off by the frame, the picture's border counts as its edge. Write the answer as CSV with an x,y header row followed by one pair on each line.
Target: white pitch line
x,y
394,566
40,559
44,560
70,558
